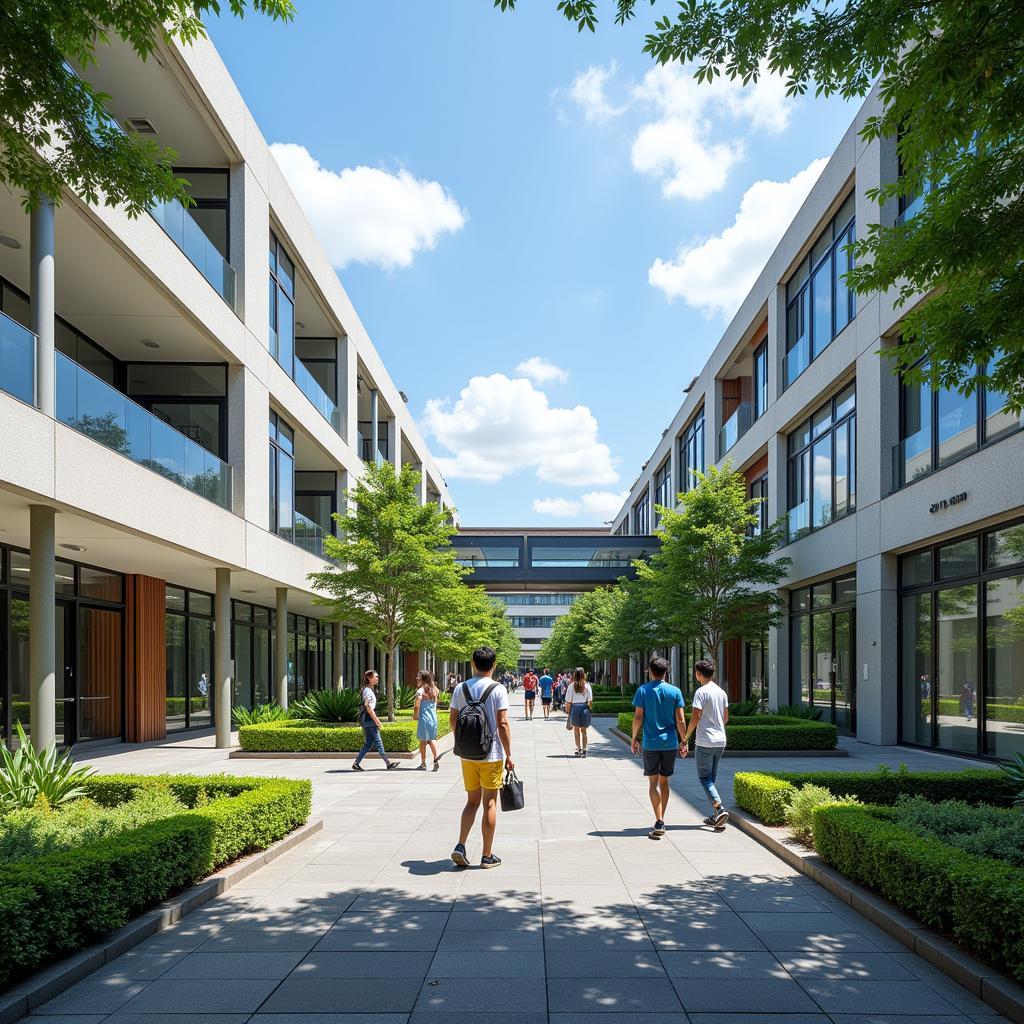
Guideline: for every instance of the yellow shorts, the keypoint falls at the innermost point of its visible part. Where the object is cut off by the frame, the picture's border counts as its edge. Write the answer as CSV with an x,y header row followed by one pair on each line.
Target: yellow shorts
x,y
482,774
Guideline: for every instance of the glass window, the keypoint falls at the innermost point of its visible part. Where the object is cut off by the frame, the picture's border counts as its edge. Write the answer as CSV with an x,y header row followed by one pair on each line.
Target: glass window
x,y
821,323
821,595
800,600
174,599
822,466
1005,547
759,491
957,424
177,380
199,604
998,422
100,585
916,569
174,639
959,559
801,659
200,665
691,452
1004,656
760,379
821,421
846,589
916,661
843,262
842,469
957,664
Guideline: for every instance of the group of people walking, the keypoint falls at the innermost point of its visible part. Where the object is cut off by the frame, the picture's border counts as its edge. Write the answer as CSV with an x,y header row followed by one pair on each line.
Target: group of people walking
x,y
660,734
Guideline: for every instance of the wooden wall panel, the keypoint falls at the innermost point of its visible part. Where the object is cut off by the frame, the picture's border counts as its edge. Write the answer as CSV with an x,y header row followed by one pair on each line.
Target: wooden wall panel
x,y
756,470
145,659
410,667
731,676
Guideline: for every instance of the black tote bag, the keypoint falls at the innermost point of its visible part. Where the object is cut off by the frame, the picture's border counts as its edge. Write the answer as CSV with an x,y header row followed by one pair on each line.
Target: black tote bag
x,y
512,798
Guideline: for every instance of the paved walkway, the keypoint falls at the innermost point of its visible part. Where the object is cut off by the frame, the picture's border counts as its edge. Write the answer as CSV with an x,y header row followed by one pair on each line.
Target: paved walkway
x,y
586,922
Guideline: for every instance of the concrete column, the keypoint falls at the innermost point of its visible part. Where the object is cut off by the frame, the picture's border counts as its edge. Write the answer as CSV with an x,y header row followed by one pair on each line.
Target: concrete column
x,y
673,472
222,657
651,498
424,482
338,646
42,615
875,674
42,300
235,454
374,427
281,648
348,388
395,443
776,341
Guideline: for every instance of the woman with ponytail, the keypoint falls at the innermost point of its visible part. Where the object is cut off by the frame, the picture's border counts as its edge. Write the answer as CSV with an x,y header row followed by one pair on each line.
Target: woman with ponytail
x,y
578,700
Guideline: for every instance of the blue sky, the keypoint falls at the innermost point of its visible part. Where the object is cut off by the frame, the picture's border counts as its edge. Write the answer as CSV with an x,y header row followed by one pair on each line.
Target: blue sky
x,y
498,190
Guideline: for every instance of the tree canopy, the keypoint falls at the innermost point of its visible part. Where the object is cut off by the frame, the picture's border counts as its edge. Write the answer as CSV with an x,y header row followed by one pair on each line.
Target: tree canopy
x,y
55,129
951,76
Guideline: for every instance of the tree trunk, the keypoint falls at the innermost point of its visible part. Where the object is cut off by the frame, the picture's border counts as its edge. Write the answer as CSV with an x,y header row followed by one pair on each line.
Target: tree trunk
x,y
392,679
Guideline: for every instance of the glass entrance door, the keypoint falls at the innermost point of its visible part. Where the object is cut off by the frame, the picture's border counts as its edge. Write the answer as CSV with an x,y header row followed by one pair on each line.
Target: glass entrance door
x,y
64,684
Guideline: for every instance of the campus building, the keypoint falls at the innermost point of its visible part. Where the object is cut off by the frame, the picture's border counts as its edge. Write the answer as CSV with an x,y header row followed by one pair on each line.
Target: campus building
x,y
538,573
184,399
904,508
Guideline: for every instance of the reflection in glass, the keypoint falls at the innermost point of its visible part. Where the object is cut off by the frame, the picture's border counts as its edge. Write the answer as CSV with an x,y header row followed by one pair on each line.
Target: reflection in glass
x,y
916,669
200,671
1004,637
174,636
261,665
1005,547
842,659
957,659
801,627
822,636
957,426
959,559
19,687
241,682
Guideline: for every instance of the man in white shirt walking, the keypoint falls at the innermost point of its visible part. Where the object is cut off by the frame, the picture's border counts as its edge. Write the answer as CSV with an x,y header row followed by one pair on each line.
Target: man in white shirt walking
x,y
709,713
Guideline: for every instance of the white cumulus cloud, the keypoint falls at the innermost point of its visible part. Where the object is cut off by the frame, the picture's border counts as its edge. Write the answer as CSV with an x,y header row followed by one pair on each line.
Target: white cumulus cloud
x,y
589,90
538,369
368,215
500,425
599,506
715,274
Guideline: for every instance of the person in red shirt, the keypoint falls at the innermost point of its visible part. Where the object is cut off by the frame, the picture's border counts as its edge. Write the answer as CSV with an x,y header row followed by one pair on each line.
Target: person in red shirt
x,y
529,693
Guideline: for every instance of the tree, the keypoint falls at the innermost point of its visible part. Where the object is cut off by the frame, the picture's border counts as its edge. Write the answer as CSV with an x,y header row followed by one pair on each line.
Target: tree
x,y
566,646
626,622
55,130
397,583
471,619
952,82
709,580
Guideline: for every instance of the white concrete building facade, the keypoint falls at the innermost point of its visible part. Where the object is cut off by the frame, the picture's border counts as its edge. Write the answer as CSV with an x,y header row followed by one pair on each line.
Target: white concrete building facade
x,y
184,399
904,508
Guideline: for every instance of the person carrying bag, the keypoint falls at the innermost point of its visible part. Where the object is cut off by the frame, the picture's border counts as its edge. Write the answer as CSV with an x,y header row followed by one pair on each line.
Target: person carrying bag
x,y
512,796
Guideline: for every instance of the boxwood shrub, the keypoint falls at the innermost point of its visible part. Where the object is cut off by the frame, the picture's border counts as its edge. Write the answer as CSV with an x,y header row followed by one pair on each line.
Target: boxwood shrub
x,y
766,794
300,736
54,904
976,900
763,732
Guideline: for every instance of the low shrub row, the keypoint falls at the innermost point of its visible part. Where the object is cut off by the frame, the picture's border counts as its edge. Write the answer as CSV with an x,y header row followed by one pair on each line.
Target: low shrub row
x,y
767,732
56,903
994,711
766,795
976,900
299,736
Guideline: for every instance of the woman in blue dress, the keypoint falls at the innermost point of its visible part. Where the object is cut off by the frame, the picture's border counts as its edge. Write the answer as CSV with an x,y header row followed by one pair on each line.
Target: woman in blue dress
x,y
425,714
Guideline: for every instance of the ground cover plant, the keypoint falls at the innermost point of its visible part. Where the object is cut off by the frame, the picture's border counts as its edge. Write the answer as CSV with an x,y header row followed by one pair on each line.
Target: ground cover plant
x,y
78,871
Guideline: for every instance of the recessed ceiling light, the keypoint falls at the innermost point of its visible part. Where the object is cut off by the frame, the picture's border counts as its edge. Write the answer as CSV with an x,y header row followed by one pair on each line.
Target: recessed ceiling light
x,y
150,343
248,591
73,547
140,125
9,240
301,326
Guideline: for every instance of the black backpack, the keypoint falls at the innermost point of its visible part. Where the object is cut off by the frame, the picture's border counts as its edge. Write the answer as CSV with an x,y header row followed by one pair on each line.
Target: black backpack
x,y
473,736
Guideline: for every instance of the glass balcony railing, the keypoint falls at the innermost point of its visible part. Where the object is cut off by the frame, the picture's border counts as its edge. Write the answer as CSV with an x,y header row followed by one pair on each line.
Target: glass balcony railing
x,y
911,458
796,360
912,210
798,521
735,427
307,535
94,408
322,402
190,238
17,360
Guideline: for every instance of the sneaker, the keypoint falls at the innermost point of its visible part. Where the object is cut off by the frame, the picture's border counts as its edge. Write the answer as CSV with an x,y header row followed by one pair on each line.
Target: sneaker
x,y
392,765
421,767
709,820
654,834
490,862
659,828
459,855
437,762
721,817
576,753
357,767
583,753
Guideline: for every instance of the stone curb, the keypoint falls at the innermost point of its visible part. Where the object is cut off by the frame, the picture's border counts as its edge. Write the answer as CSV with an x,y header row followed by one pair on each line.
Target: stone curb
x,y
444,745
616,731
982,981
50,981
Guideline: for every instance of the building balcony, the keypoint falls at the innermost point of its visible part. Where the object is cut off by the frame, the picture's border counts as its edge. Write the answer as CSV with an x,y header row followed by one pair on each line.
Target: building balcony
x,y
796,360
190,238
94,408
306,534
17,360
366,445
322,402
735,427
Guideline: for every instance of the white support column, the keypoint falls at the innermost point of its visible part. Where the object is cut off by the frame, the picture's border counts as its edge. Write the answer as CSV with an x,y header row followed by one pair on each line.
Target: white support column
x,y
42,614
281,648
424,484
222,658
374,427
42,302
338,646
395,443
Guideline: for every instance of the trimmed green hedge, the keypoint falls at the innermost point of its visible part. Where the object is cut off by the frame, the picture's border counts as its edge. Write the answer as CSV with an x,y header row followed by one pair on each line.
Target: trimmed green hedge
x,y
301,736
764,732
55,904
765,794
976,900
994,712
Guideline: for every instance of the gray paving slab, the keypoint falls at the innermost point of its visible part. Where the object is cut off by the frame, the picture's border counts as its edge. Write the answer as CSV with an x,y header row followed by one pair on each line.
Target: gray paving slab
x,y
586,922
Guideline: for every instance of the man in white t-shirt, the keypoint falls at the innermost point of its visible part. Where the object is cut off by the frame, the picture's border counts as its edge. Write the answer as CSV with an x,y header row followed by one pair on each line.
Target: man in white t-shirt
x,y
482,779
709,713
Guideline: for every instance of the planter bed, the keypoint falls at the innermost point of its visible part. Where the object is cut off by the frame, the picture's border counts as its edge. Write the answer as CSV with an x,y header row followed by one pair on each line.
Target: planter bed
x,y
54,904
768,733
301,736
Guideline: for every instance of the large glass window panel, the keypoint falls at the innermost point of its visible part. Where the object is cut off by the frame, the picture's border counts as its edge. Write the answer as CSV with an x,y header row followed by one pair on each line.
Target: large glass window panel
x,y
261,664
957,659
842,469
998,420
177,669
199,421
916,569
843,660
852,466
1004,655
916,453
958,559
285,333
821,460
99,673
842,263
200,671
957,424
821,328
99,585
801,659
916,669
821,630
241,683
1005,547
20,694
761,379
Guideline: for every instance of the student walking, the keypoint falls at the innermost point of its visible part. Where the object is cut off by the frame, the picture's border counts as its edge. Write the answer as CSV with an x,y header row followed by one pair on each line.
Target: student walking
x,y
484,745
529,693
371,723
579,699
660,719
709,714
546,684
425,714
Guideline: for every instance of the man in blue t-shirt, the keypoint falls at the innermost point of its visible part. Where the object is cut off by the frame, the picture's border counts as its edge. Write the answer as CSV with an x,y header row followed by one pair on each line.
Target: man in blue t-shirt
x,y
660,718
546,684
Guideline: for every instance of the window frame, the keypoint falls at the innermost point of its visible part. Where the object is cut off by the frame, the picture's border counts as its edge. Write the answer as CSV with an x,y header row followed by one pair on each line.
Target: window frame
x,y
692,436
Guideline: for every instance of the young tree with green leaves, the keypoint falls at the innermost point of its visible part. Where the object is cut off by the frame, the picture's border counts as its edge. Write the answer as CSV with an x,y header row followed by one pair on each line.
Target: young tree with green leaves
x,y
713,580
951,79
626,623
44,109
396,583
